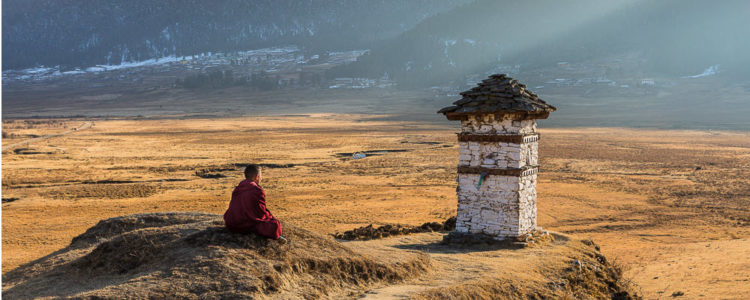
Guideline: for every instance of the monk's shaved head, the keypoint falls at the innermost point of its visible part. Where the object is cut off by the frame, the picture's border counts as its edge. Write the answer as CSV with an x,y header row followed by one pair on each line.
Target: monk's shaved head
x,y
251,171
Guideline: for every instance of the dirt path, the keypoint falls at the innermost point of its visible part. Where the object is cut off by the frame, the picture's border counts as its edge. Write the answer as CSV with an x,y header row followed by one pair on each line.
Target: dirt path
x,y
85,125
456,265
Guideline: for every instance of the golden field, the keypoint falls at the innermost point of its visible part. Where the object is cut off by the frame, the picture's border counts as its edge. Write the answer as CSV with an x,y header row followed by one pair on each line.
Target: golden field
x,y
672,206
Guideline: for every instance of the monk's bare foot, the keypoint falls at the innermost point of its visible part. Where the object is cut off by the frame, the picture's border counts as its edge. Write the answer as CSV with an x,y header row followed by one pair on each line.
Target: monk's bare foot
x,y
282,240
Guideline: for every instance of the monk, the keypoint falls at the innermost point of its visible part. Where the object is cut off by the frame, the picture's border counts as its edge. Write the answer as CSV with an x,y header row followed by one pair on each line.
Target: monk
x,y
247,212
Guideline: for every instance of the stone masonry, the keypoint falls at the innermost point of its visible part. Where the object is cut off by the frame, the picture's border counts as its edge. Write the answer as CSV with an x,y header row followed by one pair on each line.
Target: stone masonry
x,y
501,206
498,158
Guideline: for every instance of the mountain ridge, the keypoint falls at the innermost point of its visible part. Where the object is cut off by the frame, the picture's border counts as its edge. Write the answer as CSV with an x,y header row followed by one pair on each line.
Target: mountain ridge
x,y
672,37
79,34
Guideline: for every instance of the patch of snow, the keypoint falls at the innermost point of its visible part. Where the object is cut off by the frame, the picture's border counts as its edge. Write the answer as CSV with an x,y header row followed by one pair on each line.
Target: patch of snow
x,y
95,69
143,63
76,71
712,70
165,33
278,55
37,70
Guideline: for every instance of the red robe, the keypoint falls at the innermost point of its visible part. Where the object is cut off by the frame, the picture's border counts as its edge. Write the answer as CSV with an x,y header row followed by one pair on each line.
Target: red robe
x,y
247,212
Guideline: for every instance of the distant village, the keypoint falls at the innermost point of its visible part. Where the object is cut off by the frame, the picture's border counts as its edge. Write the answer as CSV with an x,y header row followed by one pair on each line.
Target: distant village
x,y
269,68
288,67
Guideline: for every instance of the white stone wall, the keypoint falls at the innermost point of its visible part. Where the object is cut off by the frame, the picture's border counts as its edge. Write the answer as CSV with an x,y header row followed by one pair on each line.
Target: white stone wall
x,y
504,125
527,204
498,155
504,205
492,208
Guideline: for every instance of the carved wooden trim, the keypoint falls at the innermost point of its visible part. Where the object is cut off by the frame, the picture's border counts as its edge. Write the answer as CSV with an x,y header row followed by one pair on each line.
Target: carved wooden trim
x,y
525,171
495,138
531,138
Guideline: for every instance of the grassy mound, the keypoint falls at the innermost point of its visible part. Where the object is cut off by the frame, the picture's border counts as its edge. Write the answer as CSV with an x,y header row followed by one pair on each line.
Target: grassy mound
x,y
589,275
189,255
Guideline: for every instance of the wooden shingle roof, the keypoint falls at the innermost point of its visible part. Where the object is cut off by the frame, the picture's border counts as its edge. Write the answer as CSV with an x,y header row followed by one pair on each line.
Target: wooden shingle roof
x,y
498,94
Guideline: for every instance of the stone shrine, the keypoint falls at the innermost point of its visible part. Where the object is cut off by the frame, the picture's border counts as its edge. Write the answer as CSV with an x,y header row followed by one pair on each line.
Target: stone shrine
x,y
498,160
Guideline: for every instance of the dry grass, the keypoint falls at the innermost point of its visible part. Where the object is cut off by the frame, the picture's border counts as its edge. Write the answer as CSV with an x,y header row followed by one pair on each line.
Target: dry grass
x,y
103,191
636,192
18,130
188,255
583,274
687,178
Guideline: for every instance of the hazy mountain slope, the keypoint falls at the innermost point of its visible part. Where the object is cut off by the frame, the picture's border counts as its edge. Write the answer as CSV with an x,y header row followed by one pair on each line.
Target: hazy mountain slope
x,y
81,33
674,36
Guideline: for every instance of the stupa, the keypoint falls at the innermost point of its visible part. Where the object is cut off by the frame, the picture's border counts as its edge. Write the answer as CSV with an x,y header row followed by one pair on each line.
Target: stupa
x,y
498,158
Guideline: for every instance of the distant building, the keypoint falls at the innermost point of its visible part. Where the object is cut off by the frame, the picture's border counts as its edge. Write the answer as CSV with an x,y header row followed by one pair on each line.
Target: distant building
x,y
343,81
605,81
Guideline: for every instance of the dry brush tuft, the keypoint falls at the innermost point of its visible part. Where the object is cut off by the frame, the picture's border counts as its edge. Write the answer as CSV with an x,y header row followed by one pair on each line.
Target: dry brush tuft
x,y
370,232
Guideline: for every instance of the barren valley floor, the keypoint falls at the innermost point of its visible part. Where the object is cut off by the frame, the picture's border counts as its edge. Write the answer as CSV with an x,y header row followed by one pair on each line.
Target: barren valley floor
x,y
672,206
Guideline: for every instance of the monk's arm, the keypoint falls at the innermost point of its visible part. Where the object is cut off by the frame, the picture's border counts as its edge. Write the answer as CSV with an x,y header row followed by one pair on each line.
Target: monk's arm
x,y
261,207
